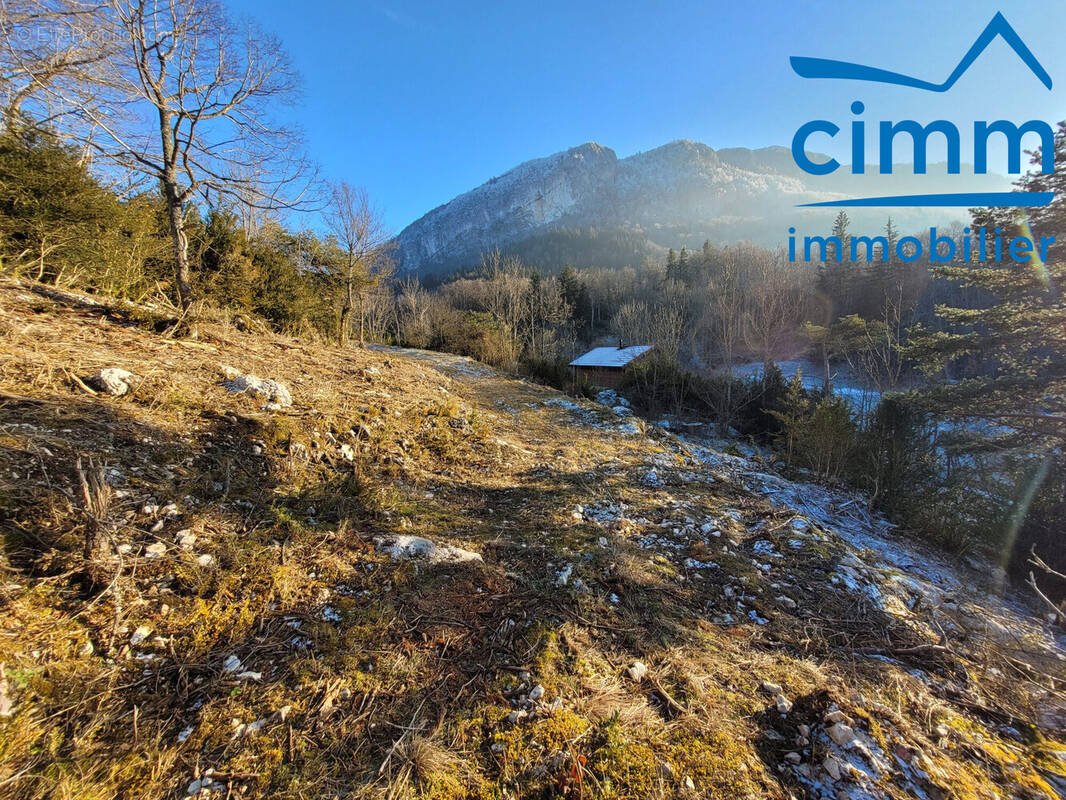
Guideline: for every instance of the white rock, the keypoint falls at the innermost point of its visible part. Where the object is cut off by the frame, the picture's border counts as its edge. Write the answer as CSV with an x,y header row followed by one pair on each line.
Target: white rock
x,y
771,688
787,602
113,381
637,670
784,705
205,560
843,735
186,539
536,693
562,577
274,393
793,758
139,635
403,546
155,550
203,785
231,664
185,734
249,675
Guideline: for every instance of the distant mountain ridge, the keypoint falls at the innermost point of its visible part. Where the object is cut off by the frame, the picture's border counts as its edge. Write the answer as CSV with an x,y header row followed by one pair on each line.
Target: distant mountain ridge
x,y
587,206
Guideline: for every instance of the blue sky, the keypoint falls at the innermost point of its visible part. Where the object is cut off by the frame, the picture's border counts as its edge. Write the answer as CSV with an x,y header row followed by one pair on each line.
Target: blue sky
x,y
419,101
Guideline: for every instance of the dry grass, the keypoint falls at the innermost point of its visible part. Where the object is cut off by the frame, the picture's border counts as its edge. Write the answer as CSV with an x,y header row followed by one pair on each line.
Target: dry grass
x,y
386,679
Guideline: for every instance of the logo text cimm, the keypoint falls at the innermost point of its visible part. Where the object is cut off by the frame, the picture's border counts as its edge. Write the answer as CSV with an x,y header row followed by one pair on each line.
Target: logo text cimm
x,y
919,134
909,248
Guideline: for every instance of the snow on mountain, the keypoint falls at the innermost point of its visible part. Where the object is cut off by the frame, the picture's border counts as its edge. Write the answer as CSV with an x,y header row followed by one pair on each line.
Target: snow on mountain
x,y
679,194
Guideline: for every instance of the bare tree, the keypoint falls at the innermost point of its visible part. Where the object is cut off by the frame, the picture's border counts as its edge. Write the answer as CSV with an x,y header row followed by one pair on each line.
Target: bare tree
x,y
724,318
53,52
414,325
192,96
632,323
507,286
363,242
777,305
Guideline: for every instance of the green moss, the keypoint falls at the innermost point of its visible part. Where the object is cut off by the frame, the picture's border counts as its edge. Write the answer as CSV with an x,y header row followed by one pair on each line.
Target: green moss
x,y
626,766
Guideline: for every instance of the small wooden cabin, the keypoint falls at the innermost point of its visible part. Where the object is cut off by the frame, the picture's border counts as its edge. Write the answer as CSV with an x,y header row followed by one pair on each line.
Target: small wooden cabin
x,y
606,367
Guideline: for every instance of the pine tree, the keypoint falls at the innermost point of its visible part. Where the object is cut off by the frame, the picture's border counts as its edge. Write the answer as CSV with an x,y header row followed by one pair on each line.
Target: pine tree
x,y
1018,397
793,417
1021,338
840,230
1015,402
683,266
892,237
52,211
834,275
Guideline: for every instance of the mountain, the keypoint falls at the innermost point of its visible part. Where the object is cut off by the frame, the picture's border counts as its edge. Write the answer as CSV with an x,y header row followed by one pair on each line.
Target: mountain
x,y
587,206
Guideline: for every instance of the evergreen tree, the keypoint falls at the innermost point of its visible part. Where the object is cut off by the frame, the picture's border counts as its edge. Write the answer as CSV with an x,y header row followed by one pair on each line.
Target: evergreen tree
x,y
792,417
1018,396
683,266
835,274
52,211
892,237
671,265
227,273
840,230
1020,338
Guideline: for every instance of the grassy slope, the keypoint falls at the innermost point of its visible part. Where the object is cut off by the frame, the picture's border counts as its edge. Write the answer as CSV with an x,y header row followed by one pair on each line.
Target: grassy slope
x,y
392,679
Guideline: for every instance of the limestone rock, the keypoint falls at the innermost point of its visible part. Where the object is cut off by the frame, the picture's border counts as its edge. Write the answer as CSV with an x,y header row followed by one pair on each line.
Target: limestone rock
x,y
404,547
274,393
112,381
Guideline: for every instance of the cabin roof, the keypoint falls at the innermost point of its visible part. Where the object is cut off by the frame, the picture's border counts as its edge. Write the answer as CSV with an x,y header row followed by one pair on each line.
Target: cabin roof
x,y
610,356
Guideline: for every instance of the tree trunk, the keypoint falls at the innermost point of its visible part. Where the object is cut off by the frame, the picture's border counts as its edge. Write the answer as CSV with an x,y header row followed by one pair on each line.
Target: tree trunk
x,y
362,320
180,243
349,304
346,316
827,381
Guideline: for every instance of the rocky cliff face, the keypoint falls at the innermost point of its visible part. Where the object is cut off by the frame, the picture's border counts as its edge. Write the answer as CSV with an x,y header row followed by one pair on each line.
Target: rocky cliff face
x,y
679,194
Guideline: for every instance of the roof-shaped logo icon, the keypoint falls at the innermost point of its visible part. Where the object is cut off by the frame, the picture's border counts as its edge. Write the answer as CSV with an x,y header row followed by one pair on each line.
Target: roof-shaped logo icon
x,y
828,68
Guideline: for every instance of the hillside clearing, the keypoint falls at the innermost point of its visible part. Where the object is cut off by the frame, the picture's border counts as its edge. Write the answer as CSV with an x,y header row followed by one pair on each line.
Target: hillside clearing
x,y
246,634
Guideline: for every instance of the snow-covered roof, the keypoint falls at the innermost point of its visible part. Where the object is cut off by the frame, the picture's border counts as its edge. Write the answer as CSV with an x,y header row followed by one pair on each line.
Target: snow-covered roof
x,y
610,356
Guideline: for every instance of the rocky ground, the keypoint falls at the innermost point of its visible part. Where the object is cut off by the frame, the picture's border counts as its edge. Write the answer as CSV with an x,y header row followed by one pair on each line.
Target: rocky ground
x,y
249,566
